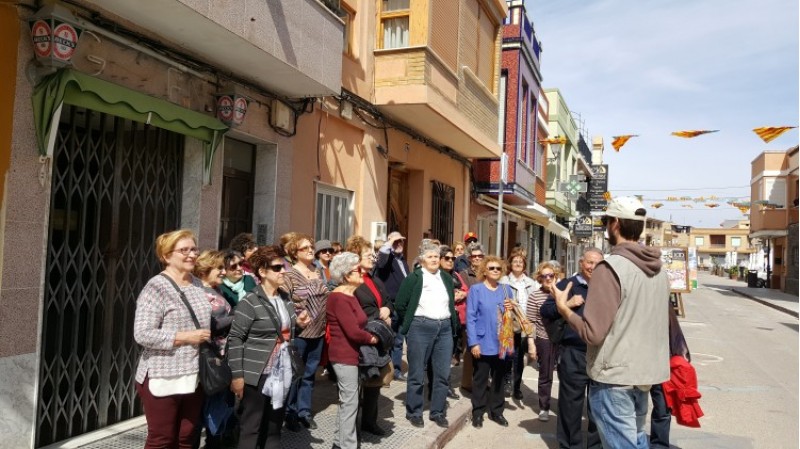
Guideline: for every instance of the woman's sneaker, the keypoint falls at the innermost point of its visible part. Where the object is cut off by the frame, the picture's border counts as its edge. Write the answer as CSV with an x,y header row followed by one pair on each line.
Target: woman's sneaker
x,y
544,416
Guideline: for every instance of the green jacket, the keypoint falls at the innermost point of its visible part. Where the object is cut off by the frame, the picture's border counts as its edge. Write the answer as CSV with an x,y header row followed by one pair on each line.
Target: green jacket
x,y
407,299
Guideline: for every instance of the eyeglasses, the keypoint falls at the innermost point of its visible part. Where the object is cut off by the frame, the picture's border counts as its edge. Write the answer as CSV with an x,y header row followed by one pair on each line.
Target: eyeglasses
x,y
324,251
494,268
448,258
306,248
476,256
234,266
547,276
277,268
187,251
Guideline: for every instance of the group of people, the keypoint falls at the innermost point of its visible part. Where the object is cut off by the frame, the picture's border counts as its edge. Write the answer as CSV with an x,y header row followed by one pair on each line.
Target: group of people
x,y
353,309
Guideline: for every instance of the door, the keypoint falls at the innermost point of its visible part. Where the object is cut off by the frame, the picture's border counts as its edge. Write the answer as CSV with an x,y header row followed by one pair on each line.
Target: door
x,y
398,201
116,186
238,182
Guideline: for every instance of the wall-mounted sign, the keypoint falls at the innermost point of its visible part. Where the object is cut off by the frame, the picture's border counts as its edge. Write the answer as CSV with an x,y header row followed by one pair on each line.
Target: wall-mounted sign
x,y
231,109
598,186
54,35
584,226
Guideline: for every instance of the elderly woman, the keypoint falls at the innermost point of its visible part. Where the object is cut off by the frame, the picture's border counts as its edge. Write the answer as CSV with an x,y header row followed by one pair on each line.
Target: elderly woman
x,y
210,269
166,377
310,293
236,283
523,287
546,350
486,302
377,305
347,322
426,301
255,352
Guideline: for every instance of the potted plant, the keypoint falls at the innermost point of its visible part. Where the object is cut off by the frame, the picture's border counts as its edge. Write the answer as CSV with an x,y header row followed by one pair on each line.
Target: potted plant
x,y
733,272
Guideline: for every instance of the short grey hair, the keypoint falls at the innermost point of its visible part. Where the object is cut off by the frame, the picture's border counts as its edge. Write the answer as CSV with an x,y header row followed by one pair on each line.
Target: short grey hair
x,y
474,246
591,249
428,246
342,264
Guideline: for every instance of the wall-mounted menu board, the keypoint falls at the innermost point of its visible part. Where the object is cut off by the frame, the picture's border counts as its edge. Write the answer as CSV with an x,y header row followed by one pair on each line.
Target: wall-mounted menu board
x,y
676,264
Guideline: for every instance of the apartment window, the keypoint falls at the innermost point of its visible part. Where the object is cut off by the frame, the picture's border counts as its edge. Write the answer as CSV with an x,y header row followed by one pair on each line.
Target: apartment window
x,y
698,241
501,120
774,191
736,242
717,240
394,16
538,161
521,115
442,212
347,15
334,216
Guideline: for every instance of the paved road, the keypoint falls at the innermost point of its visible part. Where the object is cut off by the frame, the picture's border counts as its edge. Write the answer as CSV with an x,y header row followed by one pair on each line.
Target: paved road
x,y
746,356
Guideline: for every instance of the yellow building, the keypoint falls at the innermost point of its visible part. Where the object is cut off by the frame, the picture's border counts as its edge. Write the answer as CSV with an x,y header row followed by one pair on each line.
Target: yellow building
x,y
728,245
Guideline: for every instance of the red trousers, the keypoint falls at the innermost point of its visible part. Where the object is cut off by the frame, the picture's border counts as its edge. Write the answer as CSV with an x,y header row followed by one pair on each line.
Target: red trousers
x,y
172,421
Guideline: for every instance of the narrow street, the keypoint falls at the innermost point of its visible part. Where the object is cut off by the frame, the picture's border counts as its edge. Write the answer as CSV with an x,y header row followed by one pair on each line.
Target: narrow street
x,y
746,357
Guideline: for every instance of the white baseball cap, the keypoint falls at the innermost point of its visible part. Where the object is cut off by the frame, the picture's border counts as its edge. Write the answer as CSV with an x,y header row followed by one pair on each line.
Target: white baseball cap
x,y
626,207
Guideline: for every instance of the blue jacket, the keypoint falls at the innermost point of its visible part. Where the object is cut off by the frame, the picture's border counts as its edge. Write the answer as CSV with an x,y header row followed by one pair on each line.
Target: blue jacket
x,y
550,312
482,307
388,270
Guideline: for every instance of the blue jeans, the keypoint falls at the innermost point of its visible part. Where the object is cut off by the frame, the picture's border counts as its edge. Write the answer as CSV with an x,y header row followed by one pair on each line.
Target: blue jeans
x,y
428,341
397,349
620,412
298,403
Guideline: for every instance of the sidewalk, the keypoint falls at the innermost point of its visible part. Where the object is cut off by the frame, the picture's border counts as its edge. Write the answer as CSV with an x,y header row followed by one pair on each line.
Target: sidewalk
x,y
391,416
776,299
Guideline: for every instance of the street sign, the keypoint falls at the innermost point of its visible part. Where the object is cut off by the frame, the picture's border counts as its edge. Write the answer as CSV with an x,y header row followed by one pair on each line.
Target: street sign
x,y
598,186
583,227
573,186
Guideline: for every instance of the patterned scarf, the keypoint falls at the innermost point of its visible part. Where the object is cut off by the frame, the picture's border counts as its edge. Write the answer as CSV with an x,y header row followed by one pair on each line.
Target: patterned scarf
x,y
505,328
237,287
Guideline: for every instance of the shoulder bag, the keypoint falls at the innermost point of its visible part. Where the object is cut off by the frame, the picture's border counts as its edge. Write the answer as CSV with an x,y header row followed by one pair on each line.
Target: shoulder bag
x,y
298,366
215,374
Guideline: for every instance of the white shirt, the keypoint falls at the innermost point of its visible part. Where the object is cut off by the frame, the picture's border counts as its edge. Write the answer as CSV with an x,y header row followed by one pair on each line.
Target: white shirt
x,y
434,300
521,284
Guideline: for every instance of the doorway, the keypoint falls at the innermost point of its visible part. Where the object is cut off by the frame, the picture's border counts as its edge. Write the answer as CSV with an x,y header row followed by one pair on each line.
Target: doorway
x,y
238,182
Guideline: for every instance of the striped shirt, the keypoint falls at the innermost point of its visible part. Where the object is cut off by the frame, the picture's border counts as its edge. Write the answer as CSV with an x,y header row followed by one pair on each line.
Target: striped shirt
x,y
160,315
535,301
310,295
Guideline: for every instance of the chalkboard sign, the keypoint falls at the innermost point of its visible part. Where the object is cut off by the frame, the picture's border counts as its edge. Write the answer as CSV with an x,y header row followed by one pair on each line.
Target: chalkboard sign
x,y
676,263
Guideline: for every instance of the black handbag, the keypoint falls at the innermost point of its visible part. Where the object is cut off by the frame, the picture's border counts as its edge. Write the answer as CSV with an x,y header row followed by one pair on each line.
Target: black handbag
x,y
298,365
215,374
555,329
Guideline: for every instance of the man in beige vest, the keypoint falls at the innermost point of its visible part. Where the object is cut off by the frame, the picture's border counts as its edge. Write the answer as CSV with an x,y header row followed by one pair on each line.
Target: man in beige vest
x,y
625,326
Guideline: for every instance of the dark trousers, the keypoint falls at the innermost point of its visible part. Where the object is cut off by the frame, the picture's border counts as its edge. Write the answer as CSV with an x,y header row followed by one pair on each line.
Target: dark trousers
x,y
397,348
369,406
484,394
172,421
546,353
429,341
660,419
518,360
298,403
573,383
259,424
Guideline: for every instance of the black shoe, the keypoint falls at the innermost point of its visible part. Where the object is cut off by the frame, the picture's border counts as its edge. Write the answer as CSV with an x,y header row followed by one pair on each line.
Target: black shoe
x,y
477,422
507,390
308,422
440,421
335,446
451,394
292,424
518,395
374,429
416,421
499,419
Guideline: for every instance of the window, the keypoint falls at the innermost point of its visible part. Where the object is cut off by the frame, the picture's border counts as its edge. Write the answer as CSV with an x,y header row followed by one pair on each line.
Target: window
x,y
442,212
347,15
774,191
394,16
538,160
717,241
334,216
521,115
698,241
736,242
501,120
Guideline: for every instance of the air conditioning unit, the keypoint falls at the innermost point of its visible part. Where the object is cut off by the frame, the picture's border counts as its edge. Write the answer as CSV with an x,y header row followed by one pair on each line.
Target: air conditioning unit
x,y
377,231
281,116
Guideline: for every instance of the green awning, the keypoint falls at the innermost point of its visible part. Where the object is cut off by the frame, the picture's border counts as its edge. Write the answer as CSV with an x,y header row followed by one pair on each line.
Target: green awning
x,y
78,89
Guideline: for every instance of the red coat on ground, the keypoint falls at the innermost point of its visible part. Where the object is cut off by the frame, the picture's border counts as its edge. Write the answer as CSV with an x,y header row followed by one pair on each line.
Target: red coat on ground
x,y
681,392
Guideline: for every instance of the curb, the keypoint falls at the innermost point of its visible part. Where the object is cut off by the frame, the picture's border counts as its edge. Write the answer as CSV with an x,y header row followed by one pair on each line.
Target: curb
x,y
463,411
766,303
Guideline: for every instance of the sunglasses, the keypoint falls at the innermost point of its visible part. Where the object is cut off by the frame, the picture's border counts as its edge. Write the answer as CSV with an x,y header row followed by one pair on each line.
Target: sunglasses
x,y
234,266
494,268
547,276
448,258
326,251
306,248
187,251
476,256
277,268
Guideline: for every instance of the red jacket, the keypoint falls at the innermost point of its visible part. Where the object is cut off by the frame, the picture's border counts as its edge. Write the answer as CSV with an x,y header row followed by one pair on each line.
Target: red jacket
x,y
681,392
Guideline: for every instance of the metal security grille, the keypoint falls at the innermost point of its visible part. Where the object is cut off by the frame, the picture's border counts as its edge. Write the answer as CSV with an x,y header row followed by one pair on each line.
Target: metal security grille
x,y
442,213
116,186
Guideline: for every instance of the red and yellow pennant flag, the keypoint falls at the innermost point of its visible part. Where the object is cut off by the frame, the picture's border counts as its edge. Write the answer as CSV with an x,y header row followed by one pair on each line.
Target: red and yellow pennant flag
x,y
693,133
619,141
557,140
770,133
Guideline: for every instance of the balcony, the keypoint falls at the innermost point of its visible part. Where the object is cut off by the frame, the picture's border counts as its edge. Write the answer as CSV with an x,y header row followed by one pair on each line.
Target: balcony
x,y
416,88
558,203
290,47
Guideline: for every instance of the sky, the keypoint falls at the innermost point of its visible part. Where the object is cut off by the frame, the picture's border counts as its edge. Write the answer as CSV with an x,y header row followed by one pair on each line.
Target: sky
x,y
651,67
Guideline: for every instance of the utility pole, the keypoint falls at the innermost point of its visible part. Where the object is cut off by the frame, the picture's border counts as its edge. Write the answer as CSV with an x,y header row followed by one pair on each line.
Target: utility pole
x,y
500,189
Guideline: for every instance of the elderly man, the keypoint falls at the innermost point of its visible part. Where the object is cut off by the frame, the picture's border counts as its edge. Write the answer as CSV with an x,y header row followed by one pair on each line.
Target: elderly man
x,y
392,269
625,325
573,381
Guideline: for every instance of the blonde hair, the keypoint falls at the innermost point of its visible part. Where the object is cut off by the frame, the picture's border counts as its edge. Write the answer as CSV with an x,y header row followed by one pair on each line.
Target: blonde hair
x,y
165,243
544,266
294,244
481,273
357,244
207,261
